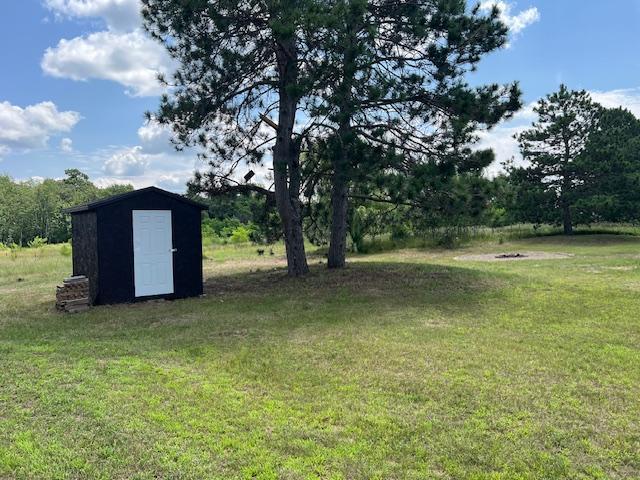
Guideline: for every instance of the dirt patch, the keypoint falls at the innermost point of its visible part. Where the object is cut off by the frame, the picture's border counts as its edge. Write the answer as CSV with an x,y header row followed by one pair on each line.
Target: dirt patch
x,y
513,256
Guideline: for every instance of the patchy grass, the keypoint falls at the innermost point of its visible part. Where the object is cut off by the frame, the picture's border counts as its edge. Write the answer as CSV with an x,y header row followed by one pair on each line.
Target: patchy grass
x,y
408,364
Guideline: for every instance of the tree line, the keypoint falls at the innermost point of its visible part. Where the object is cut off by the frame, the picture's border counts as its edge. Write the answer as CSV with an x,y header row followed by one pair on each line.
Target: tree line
x,y
582,167
35,210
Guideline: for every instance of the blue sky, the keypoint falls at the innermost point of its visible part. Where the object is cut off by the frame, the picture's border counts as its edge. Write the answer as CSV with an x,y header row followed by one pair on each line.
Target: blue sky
x,y
78,76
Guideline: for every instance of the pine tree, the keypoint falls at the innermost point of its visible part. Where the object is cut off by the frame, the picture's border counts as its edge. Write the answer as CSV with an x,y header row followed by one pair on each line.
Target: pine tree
x,y
394,78
238,62
554,143
609,170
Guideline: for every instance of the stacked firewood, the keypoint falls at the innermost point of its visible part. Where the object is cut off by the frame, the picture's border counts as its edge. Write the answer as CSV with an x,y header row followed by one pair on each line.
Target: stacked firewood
x,y
73,295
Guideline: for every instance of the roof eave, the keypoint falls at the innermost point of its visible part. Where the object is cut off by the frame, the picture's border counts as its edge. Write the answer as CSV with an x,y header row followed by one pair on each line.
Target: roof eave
x,y
122,196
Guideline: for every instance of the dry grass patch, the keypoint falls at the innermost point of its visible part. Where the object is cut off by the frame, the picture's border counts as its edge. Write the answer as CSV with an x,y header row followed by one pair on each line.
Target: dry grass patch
x,y
513,256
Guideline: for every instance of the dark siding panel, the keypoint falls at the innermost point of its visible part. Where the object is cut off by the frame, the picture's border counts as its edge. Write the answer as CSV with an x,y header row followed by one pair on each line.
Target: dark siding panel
x,y
187,261
115,247
115,232
85,251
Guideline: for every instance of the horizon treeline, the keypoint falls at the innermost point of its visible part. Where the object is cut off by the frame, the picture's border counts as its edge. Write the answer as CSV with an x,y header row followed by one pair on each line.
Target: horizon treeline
x,y
35,209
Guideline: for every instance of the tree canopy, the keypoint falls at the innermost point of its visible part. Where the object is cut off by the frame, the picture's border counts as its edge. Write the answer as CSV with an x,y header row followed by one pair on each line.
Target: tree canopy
x,y
395,81
237,64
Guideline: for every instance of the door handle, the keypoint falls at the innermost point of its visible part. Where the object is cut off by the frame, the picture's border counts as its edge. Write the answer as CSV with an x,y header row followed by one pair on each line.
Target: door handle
x,y
174,250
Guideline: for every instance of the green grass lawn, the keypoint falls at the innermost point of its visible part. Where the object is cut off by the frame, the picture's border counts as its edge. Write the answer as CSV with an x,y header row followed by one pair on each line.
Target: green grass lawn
x,y
408,364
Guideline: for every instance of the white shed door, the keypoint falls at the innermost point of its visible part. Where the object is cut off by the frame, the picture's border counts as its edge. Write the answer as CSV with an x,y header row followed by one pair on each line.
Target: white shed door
x,y
152,252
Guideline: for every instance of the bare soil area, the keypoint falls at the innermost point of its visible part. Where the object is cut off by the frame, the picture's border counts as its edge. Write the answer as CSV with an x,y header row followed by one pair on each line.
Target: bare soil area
x,y
513,256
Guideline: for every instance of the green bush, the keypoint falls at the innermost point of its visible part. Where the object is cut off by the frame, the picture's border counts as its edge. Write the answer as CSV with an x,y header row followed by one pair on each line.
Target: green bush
x,y
37,242
65,250
241,234
449,239
400,231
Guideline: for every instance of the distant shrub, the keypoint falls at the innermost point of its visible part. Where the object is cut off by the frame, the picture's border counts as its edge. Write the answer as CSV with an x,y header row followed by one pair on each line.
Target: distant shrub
x,y
400,231
449,239
241,234
230,230
37,242
65,250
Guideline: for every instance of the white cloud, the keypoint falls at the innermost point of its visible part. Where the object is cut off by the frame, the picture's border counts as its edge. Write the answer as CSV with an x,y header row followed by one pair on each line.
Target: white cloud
x,y
131,59
505,147
516,22
123,53
144,165
32,126
174,181
66,145
129,162
156,138
151,131
122,15
627,98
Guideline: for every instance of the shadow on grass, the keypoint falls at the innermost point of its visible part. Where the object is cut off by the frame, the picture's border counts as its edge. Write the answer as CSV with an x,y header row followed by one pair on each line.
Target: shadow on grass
x,y
259,306
358,278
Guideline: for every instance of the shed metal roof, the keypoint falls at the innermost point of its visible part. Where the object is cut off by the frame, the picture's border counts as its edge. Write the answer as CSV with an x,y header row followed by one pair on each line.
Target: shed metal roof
x,y
134,193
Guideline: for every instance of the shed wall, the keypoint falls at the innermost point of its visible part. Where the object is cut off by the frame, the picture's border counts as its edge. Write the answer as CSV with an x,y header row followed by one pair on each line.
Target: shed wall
x,y
85,249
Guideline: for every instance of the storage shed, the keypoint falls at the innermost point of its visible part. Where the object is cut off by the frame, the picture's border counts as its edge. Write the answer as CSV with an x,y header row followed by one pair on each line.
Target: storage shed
x,y
139,245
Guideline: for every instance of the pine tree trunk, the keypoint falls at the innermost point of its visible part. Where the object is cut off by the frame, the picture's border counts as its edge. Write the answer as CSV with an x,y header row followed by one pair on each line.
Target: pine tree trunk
x,y
339,197
341,159
339,210
286,162
566,218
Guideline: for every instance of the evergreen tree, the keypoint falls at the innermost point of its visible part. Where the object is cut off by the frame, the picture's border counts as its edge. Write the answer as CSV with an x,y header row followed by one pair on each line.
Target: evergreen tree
x,y
554,144
394,78
609,170
237,63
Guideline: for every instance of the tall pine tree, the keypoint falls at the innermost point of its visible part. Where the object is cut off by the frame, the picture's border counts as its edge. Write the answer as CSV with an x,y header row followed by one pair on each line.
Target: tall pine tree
x,y
554,144
239,62
394,78
609,170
